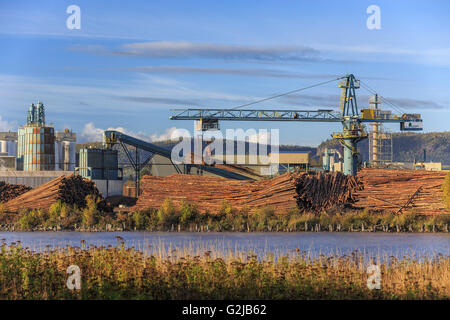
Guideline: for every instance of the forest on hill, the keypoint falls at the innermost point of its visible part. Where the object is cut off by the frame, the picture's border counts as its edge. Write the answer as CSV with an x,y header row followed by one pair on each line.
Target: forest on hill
x,y
407,147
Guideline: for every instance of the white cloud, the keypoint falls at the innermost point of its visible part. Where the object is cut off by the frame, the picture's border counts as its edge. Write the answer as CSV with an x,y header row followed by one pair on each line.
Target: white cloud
x,y
170,49
91,133
6,125
168,134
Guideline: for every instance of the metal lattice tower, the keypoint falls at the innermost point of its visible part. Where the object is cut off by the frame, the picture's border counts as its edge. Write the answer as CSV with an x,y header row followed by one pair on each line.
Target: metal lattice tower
x,y
380,139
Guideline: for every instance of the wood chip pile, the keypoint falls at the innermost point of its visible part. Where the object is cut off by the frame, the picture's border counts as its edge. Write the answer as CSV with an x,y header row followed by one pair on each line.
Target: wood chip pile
x,y
11,191
68,189
400,190
283,193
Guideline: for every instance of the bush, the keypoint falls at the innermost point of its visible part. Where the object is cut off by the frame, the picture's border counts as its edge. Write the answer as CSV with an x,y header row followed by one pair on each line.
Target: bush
x,y
30,219
260,218
188,213
90,213
140,220
56,213
167,214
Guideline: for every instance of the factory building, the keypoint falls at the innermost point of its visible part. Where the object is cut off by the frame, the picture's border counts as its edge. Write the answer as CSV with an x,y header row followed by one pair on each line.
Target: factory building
x,y
285,161
102,167
36,154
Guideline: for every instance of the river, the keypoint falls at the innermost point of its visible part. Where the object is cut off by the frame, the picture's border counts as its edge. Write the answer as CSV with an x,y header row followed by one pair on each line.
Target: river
x,y
326,243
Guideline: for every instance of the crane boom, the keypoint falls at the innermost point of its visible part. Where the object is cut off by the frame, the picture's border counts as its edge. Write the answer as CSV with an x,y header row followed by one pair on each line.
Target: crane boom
x,y
257,115
319,115
349,115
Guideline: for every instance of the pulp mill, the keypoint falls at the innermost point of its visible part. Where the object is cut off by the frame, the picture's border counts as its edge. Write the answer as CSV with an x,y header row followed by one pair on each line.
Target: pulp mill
x,y
36,154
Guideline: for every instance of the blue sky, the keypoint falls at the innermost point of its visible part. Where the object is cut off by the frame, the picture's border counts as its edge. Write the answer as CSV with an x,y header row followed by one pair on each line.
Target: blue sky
x,y
133,61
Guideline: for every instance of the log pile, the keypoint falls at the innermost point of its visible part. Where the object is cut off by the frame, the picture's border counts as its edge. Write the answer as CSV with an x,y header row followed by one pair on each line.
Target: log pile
x,y
71,190
283,193
11,191
325,190
397,191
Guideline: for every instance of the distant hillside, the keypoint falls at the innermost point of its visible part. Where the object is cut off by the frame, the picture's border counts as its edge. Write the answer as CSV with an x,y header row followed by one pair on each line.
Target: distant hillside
x,y
408,146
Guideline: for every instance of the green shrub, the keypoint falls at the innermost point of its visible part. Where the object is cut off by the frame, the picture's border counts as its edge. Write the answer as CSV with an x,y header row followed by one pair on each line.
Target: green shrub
x,y
167,214
90,213
56,213
30,219
188,213
139,220
259,219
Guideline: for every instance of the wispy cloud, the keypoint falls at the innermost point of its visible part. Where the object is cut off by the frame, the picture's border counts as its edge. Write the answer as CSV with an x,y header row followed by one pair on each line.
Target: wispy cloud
x,y
6,125
168,49
332,101
156,100
271,54
385,53
253,72
408,103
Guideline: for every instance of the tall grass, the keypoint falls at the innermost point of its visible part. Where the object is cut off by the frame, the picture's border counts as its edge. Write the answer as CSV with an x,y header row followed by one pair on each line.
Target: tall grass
x,y
187,217
121,273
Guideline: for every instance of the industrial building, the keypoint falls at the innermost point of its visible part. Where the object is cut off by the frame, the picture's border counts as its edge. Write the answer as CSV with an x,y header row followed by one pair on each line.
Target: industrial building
x,y
380,139
102,167
36,154
286,161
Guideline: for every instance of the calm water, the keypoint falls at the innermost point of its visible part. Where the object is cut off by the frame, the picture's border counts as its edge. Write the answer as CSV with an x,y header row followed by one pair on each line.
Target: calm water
x,y
373,244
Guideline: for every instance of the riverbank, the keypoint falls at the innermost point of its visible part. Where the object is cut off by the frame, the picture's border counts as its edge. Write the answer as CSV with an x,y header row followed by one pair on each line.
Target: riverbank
x,y
61,217
124,273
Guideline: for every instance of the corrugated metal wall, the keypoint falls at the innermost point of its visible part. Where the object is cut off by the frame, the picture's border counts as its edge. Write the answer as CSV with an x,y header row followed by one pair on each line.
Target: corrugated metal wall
x,y
103,164
31,179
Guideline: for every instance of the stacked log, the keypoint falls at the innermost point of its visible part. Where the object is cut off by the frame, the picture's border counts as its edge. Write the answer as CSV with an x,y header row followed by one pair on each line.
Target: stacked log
x,y
325,190
397,191
283,193
71,190
11,191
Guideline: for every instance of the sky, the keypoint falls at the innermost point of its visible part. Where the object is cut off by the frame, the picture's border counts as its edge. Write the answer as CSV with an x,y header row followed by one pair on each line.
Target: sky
x,y
131,62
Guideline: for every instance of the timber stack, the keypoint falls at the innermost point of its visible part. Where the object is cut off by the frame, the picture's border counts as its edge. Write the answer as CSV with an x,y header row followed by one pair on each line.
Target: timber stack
x,y
283,193
323,191
11,191
398,191
71,190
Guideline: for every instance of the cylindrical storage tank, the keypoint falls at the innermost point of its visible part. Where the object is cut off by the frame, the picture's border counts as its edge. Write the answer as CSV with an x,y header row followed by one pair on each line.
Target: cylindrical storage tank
x,y
4,146
72,156
57,156
37,148
82,163
12,148
66,152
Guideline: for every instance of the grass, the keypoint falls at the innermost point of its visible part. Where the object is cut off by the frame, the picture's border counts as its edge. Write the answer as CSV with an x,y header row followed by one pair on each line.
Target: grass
x,y
123,273
188,218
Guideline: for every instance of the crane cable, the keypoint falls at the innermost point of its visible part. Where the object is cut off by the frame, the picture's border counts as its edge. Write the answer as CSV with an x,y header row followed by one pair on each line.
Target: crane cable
x,y
393,105
286,93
